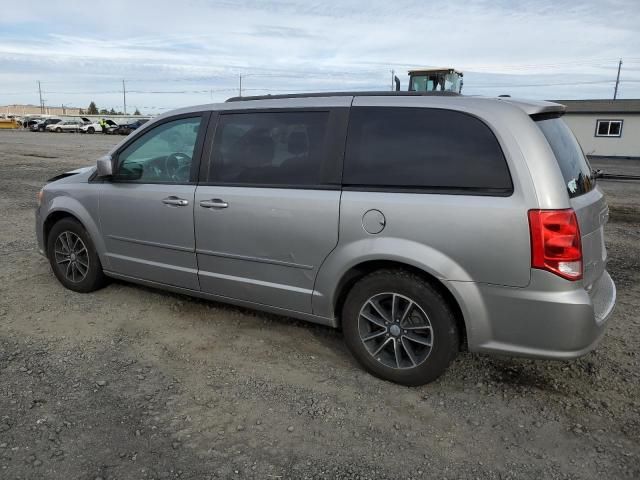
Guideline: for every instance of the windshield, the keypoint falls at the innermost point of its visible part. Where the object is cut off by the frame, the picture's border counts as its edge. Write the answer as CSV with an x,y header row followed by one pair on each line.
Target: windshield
x,y
435,82
569,155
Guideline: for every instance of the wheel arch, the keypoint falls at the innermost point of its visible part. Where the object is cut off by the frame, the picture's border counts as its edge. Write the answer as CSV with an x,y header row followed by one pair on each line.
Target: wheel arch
x,y
65,207
359,271
51,220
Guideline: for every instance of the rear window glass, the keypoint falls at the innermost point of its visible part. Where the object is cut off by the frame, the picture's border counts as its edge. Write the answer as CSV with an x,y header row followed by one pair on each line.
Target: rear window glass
x,y
569,155
421,148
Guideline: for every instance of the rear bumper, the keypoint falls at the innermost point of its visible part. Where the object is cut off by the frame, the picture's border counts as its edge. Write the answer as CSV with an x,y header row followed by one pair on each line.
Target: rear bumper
x,y
551,318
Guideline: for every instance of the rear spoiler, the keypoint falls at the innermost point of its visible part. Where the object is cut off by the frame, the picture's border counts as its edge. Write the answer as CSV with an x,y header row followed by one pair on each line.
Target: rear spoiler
x,y
536,107
536,117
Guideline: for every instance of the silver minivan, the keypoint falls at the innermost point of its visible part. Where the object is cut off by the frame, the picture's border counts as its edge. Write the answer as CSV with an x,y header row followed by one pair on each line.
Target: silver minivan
x,y
419,224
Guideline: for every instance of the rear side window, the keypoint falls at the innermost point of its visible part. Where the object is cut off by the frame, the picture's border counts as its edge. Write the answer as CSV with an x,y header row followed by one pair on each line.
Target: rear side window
x,y
569,155
421,148
269,148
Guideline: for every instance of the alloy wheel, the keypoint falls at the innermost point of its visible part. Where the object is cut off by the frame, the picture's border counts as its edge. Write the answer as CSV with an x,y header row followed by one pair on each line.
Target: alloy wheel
x,y
71,256
395,330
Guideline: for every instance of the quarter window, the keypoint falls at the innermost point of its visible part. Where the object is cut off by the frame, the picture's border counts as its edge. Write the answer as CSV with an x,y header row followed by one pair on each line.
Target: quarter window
x,y
269,148
422,148
161,155
609,128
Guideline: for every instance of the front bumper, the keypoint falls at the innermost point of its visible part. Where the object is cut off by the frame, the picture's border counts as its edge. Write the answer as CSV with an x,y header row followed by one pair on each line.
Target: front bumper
x,y
40,233
551,318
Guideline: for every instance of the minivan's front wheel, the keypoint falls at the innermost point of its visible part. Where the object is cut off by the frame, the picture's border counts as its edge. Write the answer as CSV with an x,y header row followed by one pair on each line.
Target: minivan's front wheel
x,y
399,327
73,257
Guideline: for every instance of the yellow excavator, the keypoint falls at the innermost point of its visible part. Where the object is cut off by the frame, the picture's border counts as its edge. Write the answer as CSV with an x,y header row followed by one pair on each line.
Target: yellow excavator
x,y
434,80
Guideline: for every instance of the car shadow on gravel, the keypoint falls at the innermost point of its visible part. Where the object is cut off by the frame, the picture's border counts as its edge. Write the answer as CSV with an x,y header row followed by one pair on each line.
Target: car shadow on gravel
x,y
329,337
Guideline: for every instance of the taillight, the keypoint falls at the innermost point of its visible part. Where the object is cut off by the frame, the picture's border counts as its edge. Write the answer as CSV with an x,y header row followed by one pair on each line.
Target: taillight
x,y
556,245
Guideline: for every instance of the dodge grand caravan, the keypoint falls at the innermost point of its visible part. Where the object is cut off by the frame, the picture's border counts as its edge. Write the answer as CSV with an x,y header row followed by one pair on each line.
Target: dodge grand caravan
x,y
419,224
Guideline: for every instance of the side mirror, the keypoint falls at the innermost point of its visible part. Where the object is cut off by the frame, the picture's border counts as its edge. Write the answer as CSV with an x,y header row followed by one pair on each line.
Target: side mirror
x,y
105,166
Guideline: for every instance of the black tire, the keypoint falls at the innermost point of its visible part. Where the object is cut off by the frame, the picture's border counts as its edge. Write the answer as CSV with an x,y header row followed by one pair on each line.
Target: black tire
x,y
444,335
91,130
94,278
58,130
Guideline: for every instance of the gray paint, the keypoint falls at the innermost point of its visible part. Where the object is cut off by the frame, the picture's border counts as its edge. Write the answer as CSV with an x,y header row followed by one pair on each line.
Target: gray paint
x,y
269,242
286,250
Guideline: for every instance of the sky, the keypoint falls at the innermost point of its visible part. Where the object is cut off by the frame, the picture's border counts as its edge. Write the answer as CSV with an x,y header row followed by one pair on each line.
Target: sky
x,y
178,53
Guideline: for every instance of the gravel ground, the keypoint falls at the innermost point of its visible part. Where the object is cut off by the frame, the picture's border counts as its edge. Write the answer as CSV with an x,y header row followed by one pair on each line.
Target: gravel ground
x,y
131,382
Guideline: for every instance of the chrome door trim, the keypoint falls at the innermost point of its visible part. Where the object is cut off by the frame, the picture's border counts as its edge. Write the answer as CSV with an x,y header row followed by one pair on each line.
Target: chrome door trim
x,y
175,201
151,244
253,259
213,203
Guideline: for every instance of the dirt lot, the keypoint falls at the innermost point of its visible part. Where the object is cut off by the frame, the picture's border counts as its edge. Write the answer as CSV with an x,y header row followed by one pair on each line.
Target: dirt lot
x,y
131,382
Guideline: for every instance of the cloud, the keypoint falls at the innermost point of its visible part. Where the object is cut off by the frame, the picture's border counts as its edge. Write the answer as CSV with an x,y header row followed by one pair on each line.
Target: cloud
x,y
544,49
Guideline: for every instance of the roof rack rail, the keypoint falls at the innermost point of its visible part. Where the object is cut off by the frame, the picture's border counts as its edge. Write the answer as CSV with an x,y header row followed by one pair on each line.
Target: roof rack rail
x,y
385,93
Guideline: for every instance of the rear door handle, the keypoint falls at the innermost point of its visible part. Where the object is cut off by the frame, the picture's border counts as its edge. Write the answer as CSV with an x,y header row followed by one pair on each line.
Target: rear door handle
x,y
214,203
175,201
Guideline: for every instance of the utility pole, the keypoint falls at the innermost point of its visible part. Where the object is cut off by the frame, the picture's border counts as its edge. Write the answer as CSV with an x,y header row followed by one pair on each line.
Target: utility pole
x,y
615,92
124,96
240,89
393,74
40,93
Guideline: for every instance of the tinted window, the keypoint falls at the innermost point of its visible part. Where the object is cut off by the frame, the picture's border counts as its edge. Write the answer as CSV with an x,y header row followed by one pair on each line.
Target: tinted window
x,y
423,148
573,164
162,154
286,148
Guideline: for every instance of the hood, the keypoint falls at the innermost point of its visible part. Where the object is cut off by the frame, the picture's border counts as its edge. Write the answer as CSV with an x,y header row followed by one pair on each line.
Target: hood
x,y
71,173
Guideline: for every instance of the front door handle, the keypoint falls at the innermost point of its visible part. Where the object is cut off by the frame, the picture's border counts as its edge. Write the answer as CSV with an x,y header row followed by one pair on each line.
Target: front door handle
x,y
214,203
175,201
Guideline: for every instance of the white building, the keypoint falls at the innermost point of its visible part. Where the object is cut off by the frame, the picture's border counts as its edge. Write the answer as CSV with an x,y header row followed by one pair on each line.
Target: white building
x,y
607,128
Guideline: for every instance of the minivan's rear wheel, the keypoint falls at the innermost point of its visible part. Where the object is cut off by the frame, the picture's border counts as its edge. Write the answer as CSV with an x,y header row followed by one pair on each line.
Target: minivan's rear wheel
x,y
73,257
399,327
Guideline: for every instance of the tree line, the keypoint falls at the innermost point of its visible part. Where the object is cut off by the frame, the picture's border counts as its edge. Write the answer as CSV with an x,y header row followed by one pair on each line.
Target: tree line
x,y
93,110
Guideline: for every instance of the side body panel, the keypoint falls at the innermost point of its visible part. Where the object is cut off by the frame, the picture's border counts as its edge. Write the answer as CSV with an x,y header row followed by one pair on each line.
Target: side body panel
x,y
79,200
147,238
148,227
466,238
267,245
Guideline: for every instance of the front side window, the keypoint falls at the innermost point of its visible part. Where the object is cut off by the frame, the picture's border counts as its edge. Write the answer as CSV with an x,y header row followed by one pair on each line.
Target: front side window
x,y
161,155
424,148
269,148
608,128
424,83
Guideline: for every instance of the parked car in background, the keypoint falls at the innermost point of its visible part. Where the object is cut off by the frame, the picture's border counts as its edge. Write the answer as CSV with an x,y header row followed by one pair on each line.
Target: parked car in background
x,y
66,126
421,224
42,125
95,127
27,122
127,128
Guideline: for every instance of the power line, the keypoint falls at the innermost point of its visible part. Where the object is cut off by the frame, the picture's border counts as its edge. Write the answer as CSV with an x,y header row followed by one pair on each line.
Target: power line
x,y
598,82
